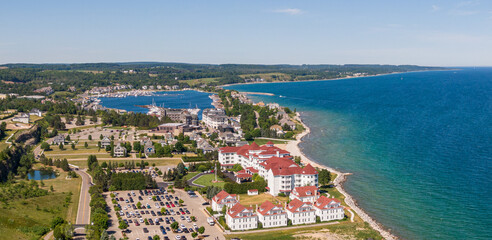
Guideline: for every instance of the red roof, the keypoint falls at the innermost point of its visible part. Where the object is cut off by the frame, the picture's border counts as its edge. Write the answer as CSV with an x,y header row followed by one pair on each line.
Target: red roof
x,y
252,169
305,191
254,146
327,203
267,206
269,143
308,169
238,208
253,190
295,204
221,196
228,149
244,175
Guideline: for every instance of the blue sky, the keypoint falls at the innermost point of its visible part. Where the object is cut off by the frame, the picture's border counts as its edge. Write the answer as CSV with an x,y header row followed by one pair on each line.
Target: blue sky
x,y
432,32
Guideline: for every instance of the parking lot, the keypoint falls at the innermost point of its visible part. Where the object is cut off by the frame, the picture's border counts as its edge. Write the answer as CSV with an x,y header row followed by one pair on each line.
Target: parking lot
x,y
148,221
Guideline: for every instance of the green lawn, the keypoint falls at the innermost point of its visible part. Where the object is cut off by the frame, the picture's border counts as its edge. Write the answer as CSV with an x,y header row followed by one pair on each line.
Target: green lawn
x,y
261,198
21,218
260,141
199,81
206,180
190,175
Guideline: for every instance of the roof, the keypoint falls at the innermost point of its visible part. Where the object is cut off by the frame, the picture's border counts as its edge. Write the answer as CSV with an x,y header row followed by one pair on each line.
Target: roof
x,y
228,149
267,206
221,196
244,175
325,203
235,210
171,125
295,204
269,143
306,191
253,190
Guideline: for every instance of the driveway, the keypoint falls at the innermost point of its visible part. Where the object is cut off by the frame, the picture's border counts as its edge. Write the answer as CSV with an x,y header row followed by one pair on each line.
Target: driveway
x,y
84,212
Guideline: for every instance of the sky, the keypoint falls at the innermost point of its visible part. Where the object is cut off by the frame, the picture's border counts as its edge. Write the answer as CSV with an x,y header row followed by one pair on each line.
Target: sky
x,y
420,32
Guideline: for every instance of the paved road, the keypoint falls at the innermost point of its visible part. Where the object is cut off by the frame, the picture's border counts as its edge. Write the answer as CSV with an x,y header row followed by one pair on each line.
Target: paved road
x,y
84,212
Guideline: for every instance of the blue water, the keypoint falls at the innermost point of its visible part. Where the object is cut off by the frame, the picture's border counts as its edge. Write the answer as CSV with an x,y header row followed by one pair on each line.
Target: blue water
x,y
40,175
419,145
171,99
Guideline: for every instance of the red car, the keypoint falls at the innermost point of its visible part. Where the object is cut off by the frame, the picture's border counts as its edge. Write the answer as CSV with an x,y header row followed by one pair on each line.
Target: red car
x,y
172,204
137,224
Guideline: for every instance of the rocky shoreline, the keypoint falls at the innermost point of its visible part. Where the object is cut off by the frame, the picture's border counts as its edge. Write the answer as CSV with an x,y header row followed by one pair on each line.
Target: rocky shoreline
x,y
293,147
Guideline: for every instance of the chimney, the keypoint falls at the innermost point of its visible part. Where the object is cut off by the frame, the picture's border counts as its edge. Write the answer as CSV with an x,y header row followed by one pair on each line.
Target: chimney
x,y
278,154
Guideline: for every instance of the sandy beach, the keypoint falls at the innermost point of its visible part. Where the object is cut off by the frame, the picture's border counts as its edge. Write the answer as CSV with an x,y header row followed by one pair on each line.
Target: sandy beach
x,y
293,148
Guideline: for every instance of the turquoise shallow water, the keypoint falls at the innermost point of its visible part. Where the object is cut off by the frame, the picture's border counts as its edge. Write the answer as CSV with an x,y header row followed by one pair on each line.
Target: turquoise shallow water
x,y
419,145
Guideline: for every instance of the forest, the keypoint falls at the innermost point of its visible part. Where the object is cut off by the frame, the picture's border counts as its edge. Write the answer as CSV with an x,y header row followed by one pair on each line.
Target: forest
x,y
25,78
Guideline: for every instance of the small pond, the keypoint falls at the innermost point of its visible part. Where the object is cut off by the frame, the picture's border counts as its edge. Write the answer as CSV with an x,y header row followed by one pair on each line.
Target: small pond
x,y
41,174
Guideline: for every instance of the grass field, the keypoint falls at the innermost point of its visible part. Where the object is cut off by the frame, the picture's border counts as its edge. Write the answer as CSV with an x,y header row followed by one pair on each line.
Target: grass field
x,y
199,81
21,218
190,175
260,141
206,180
268,76
260,198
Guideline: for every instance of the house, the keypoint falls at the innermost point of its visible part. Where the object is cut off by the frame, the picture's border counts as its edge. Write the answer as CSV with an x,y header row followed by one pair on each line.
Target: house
x,y
300,212
119,151
149,148
58,139
173,128
286,121
305,193
105,142
35,112
240,217
253,192
277,128
271,215
145,140
22,118
223,199
328,209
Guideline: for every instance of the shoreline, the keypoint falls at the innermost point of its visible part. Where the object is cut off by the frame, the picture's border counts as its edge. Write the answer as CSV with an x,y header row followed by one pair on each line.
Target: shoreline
x,y
293,147
332,79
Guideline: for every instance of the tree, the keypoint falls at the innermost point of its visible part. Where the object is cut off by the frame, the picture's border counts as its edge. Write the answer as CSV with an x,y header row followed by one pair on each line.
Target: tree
x,y
60,146
73,146
86,145
90,137
139,205
181,202
101,137
324,177
201,230
45,146
156,237
123,225
194,234
175,225
92,162
237,167
68,138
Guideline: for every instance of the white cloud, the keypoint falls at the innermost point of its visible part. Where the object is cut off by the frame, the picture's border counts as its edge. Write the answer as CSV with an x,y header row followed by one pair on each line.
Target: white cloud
x,y
290,11
435,8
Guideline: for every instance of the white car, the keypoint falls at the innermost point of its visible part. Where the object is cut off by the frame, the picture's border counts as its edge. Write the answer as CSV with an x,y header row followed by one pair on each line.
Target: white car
x,y
141,220
178,237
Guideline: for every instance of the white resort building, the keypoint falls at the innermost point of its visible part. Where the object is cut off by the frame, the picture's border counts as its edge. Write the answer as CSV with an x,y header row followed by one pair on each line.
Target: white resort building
x,y
305,194
213,118
240,217
300,212
328,209
223,199
272,163
271,215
